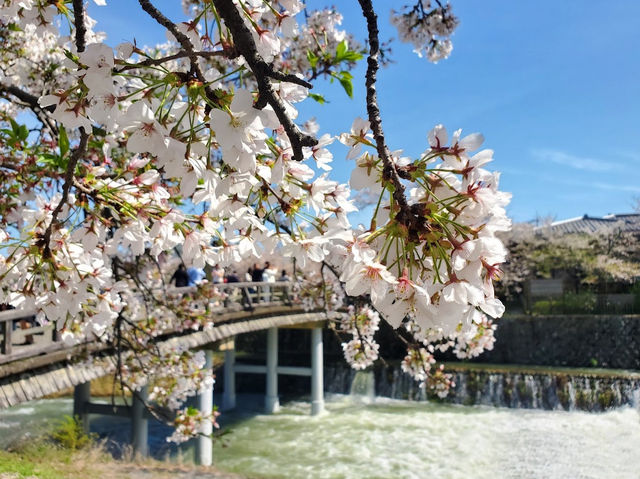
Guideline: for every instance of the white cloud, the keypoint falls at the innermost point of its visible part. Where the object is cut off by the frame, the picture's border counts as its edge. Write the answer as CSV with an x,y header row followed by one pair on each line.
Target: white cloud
x,y
588,186
575,162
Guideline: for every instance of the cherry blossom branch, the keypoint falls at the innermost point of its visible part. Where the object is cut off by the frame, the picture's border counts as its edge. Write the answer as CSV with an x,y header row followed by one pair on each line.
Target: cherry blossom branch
x,y
389,172
159,61
324,264
184,41
66,187
263,72
78,20
31,101
81,30
20,94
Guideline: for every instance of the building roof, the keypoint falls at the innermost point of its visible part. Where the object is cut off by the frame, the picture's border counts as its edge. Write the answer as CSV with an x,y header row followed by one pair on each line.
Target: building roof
x,y
591,224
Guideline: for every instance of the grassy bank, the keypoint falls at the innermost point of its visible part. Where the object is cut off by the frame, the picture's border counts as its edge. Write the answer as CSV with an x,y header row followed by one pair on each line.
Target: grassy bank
x,y
42,461
68,453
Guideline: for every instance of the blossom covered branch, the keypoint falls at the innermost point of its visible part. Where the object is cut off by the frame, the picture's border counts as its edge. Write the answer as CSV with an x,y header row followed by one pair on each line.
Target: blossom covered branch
x,y
196,144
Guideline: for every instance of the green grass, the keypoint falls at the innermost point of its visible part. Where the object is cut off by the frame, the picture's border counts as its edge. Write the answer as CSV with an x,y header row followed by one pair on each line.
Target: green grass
x,y
45,461
67,452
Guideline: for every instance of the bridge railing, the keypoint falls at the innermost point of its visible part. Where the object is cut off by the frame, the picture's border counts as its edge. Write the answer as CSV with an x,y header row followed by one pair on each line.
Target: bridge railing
x,y
21,337
14,330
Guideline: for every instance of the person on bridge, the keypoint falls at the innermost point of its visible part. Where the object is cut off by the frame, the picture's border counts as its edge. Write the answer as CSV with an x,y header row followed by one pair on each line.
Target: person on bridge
x,y
256,277
246,300
180,278
195,275
232,277
269,275
217,274
256,273
284,277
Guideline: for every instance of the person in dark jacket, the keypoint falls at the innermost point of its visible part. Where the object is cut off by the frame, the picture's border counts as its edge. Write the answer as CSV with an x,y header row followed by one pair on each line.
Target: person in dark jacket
x,y
232,277
180,277
256,273
256,276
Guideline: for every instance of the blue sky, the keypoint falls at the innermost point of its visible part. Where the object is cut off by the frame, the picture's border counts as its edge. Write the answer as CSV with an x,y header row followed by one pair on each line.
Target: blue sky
x,y
553,87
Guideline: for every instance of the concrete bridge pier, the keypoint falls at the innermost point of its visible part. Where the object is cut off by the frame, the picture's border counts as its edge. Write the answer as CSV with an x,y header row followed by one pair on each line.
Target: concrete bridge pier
x,y
140,423
81,398
272,402
229,395
317,379
204,442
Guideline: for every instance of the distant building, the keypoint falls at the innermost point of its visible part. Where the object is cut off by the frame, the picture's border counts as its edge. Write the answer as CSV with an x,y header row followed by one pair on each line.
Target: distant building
x,y
592,224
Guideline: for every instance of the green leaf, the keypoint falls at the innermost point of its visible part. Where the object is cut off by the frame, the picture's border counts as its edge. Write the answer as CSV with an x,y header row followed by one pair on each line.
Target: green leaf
x,y
345,80
348,86
52,160
71,56
63,142
23,132
97,131
16,130
319,98
313,58
352,56
341,50
343,54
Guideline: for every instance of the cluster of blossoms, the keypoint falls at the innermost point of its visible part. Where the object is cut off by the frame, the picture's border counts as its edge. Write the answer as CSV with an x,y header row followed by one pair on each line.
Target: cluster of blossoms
x,y
430,258
475,340
178,374
190,422
418,362
361,351
427,29
194,145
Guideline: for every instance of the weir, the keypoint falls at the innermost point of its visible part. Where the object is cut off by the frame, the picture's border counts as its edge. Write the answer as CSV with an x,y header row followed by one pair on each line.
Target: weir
x,y
511,386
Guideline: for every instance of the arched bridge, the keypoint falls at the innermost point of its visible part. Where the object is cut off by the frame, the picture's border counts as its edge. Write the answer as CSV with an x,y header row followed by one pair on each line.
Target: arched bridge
x,y
34,362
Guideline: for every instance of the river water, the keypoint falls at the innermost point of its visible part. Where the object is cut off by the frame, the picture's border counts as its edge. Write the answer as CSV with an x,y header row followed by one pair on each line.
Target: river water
x,y
385,438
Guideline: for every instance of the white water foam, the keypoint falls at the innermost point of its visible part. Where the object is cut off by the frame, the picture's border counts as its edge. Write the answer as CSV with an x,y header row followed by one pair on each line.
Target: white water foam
x,y
399,439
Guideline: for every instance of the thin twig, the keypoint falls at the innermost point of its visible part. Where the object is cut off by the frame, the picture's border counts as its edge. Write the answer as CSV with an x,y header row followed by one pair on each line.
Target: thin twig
x,y
79,17
389,172
31,101
68,181
176,56
184,41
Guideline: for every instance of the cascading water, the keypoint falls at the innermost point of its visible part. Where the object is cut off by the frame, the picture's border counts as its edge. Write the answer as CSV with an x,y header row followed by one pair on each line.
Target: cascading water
x,y
363,387
553,390
391,439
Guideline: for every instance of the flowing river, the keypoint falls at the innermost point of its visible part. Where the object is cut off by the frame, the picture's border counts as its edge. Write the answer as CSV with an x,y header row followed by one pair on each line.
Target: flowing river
x,y
387,438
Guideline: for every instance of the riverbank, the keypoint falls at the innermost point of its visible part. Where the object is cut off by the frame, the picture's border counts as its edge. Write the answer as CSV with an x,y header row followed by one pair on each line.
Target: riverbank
x,y
42,459
39,440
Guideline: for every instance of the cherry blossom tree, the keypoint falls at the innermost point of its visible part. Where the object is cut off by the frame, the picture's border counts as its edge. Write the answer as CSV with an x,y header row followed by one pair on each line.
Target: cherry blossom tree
x,y
593,261
112,156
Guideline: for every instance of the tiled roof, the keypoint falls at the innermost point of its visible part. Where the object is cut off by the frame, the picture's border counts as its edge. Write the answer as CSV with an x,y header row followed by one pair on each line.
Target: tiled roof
x,y
591,224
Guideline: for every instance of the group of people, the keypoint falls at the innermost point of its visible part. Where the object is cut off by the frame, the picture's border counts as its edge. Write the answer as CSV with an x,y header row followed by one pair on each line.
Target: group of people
x,y
265,274
184,276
